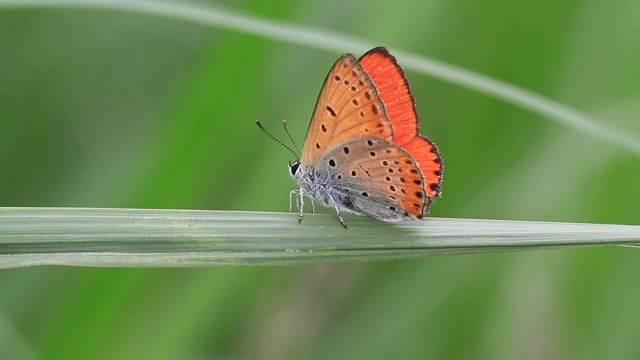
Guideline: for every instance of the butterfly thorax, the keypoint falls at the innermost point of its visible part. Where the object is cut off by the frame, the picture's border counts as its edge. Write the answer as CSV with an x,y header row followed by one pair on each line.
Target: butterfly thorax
x,y
319,186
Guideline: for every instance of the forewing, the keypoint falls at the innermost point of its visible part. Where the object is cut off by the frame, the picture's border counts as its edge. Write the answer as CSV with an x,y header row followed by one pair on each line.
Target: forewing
x,y
348,107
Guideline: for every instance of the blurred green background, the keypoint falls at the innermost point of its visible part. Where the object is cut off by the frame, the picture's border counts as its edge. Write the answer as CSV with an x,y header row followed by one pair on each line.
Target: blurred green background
x,y
113,109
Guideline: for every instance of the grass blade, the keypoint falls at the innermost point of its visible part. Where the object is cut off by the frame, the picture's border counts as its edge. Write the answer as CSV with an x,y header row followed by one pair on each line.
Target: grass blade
x,y
161,238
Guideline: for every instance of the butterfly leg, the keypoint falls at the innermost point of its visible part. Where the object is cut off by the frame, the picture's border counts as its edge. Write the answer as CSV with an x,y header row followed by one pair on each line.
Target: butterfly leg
x,y
300,205
335,206
299,202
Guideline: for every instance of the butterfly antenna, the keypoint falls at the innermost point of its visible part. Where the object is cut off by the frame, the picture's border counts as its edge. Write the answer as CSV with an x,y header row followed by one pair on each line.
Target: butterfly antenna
x,y
276,139
286,128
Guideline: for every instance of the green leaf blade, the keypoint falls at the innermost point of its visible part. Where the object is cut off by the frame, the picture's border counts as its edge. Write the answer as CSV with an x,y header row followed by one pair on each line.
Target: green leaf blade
x,y
161,238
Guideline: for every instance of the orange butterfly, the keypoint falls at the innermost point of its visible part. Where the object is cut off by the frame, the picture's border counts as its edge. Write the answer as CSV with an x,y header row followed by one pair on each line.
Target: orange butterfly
x,y
362,152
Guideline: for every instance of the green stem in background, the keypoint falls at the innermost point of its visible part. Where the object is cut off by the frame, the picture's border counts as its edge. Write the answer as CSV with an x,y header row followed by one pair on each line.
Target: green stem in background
x,y
322,39
152,238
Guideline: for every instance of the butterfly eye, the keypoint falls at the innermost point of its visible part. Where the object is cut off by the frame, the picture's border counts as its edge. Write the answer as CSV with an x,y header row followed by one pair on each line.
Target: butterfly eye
x,y
294,167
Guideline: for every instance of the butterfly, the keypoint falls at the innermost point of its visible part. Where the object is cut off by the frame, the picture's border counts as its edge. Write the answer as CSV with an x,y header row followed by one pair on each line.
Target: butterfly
x,y
362,153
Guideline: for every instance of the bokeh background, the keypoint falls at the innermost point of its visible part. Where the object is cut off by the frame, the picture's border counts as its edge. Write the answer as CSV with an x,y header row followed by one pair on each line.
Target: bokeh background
x,y
112,109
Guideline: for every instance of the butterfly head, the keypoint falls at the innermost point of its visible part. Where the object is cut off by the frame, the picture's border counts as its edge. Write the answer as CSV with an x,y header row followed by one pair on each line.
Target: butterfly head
x,y
294,168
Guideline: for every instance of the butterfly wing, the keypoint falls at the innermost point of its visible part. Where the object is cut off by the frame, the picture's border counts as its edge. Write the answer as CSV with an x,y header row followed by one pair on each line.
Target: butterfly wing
x,y
393,87
348,106
370,175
